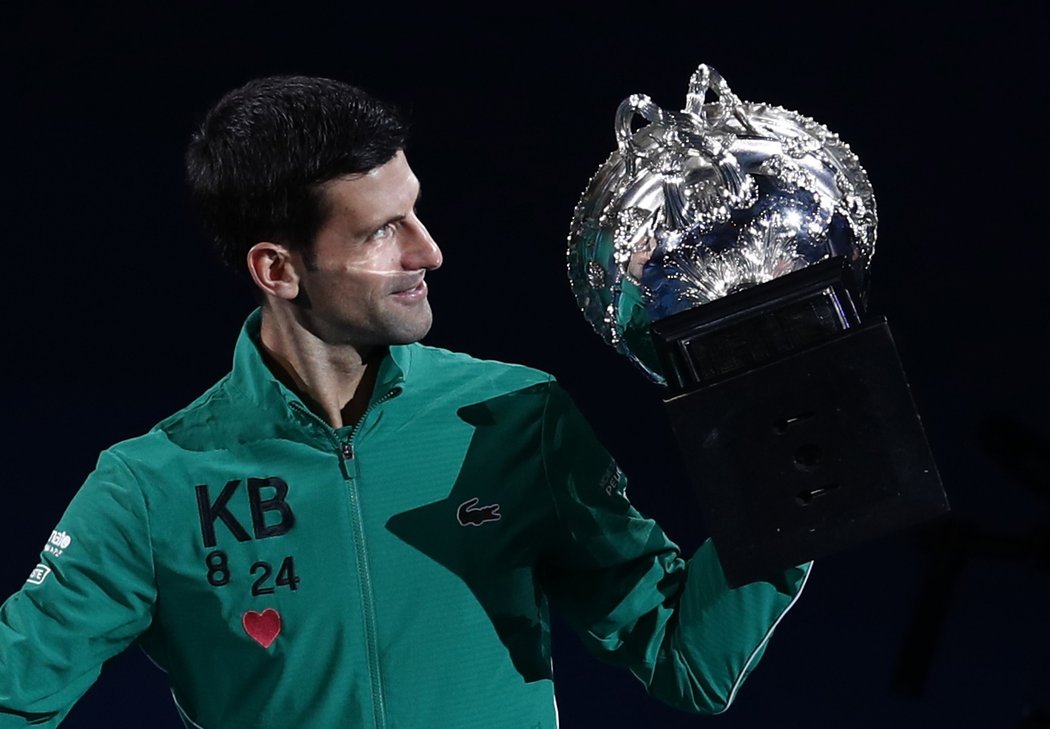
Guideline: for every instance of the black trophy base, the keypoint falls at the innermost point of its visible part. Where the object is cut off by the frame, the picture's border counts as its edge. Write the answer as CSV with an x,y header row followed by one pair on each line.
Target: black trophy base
x,y
807,455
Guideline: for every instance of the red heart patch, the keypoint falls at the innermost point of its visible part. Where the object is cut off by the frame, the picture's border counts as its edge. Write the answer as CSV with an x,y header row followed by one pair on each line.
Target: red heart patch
x,y
263,627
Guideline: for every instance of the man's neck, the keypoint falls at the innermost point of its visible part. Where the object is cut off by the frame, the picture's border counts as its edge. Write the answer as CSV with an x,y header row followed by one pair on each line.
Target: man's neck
x,y
336,380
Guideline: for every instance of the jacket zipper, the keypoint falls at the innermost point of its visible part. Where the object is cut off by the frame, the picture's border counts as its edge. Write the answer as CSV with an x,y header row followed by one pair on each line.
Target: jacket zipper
x,y
346,451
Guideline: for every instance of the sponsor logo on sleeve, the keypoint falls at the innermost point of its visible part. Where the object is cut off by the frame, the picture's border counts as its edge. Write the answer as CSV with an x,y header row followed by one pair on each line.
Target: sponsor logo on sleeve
x,y
58,543
39,574
613,482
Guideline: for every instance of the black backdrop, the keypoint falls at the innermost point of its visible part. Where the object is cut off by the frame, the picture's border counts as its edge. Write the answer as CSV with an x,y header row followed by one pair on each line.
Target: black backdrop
x,y
117,314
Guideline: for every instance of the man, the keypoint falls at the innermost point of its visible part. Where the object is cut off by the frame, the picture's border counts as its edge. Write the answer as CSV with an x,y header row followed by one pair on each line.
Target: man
x,y
352,529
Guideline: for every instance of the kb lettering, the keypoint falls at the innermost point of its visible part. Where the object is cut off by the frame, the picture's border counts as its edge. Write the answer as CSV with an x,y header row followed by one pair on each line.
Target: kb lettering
x,y
210,511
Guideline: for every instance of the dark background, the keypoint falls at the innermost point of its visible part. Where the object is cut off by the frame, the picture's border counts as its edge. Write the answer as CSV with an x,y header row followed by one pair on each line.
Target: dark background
x,y
117,314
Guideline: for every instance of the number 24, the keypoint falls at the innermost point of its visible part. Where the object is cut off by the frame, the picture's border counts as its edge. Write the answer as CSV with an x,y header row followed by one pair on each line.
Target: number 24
x,y
286,577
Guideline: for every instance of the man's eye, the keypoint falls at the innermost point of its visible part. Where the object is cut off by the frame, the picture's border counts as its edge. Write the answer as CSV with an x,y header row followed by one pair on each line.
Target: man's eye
x,y
385,232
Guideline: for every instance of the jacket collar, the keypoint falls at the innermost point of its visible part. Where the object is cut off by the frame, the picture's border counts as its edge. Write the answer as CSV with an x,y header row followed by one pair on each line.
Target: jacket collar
x,y
253,377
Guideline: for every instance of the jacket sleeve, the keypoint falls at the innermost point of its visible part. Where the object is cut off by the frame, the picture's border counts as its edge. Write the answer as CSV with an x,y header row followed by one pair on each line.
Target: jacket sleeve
x,y
89,597
623,585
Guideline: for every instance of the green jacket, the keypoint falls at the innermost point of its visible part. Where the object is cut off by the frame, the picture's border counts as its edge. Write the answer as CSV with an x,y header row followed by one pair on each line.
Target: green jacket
x,y
396,574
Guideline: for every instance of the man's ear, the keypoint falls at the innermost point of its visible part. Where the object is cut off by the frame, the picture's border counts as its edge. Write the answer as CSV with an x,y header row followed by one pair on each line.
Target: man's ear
x,y
270,266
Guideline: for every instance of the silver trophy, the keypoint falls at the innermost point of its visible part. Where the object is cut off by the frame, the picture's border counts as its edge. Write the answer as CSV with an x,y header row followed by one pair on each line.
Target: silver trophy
x,y
725,249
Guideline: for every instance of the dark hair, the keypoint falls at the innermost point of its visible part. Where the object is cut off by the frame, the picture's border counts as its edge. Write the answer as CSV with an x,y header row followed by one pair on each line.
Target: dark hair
x,y
262,154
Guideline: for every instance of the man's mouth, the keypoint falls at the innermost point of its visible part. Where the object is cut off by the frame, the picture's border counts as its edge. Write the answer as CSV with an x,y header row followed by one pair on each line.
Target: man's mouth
x,y
414,292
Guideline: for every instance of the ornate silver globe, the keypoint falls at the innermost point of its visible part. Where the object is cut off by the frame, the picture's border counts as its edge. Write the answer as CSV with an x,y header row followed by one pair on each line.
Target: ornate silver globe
x,y
698,204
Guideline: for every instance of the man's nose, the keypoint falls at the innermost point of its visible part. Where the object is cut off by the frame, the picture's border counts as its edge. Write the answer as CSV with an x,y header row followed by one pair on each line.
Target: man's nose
x,y
420,249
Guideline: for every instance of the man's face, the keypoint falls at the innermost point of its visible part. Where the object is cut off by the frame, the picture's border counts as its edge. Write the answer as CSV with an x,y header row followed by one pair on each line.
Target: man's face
x,y
364,278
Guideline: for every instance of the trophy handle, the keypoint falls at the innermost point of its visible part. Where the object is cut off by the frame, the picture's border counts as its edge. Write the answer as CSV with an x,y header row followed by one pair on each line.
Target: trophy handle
x,y
643,106
696,113
706,79
696,118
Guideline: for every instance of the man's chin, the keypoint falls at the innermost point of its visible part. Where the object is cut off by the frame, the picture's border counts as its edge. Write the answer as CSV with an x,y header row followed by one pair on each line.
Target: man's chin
x,y
411,332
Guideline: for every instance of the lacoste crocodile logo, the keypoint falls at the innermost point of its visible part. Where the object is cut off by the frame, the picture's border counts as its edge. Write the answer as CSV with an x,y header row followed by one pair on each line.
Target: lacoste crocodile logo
x,y
469,513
